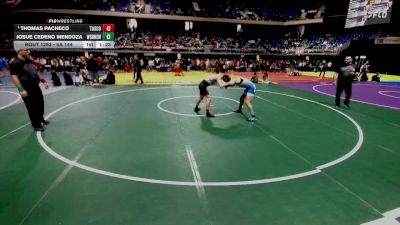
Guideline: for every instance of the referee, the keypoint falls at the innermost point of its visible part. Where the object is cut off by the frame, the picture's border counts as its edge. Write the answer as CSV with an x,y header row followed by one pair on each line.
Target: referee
x,y
345,75
138,69
26,78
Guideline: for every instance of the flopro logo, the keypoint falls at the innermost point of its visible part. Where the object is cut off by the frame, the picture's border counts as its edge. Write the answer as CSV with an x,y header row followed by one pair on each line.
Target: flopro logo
x,y
380,15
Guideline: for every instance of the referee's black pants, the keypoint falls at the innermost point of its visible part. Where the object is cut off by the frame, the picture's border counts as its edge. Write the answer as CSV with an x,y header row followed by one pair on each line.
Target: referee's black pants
x,y
139,76
34,104
346,85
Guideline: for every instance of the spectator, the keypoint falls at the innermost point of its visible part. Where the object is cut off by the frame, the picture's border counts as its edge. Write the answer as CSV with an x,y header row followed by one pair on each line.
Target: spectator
x,y
254,78
67,79
376,77
110,78
92,68
55,79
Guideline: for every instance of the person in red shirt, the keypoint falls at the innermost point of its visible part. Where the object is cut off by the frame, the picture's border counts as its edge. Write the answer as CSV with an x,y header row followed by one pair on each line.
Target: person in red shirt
x,y
100,61
127,68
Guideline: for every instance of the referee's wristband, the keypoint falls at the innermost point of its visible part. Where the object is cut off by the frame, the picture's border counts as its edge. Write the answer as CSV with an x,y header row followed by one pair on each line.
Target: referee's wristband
x,y
20,88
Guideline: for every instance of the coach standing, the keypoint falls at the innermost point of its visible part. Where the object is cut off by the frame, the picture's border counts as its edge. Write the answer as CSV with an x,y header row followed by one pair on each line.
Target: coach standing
x,y
345,75
26,78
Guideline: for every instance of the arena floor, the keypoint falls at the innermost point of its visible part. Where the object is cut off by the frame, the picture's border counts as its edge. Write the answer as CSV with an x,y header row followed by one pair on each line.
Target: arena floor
x,y
140,155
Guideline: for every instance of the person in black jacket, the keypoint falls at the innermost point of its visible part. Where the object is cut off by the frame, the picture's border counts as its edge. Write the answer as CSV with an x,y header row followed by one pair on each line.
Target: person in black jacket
x,y
92,68
55,79
138,70
67,79
376,77
26,78
110,78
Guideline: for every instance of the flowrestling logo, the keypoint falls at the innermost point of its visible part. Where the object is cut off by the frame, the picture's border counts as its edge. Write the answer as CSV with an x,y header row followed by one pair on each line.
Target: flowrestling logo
x,y
368,12
69,20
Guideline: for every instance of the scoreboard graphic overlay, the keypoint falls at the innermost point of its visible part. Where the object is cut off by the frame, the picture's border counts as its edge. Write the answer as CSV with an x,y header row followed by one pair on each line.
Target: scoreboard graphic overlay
x,y
368,12
64,36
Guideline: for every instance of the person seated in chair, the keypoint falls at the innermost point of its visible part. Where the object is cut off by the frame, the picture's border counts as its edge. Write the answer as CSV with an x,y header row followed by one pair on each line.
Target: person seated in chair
x,y
110,78
296,72
364,72
67,79
55,79
254,78
376,77
78,79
